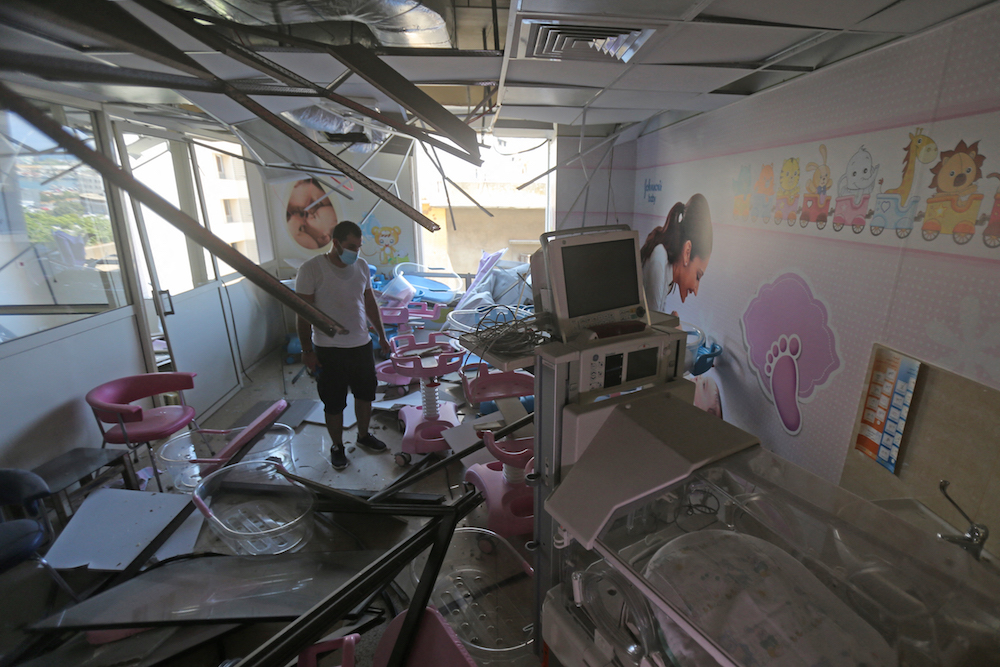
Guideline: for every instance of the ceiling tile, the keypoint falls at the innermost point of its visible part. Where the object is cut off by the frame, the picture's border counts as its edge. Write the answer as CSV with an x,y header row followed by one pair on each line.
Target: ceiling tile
x,y
430,69
837,48
678,78
560,115
635,9
225,67
317,67
565,72
756,82
709,101
814,13
643,99
721,43
914,15
536,95
574,115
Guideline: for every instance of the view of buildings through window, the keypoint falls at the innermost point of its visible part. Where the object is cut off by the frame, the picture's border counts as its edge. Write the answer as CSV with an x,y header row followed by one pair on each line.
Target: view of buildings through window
x,y
58,259
519,216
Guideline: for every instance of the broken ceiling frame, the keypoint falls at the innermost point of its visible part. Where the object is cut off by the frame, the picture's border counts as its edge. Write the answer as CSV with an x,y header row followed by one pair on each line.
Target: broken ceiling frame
x,y
110,24
182,221
358,60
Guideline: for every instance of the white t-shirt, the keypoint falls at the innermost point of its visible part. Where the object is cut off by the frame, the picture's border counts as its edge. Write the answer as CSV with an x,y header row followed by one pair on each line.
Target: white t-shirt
x,y
657,278
340,293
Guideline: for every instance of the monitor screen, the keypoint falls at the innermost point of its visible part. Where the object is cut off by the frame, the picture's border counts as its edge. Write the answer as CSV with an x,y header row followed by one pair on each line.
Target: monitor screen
x,y
600,276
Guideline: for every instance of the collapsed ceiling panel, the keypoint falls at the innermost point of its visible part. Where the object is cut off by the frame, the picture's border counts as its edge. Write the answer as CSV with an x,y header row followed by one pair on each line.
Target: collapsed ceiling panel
x,y
912,15
814,13
675,78
649,9
722,43
319,67
836,48
564,72
549,96
435,69
643,99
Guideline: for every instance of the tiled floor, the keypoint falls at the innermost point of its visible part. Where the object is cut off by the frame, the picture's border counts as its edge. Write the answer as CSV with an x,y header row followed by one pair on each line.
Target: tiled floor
x,y
268,381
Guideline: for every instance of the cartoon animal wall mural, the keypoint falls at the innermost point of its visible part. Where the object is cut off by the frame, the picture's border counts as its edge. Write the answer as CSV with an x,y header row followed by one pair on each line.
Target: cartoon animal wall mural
x,y
386,239
954,210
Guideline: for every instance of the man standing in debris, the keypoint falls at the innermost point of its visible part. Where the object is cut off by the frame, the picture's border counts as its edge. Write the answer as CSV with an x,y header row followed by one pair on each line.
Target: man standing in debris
x,y
338,283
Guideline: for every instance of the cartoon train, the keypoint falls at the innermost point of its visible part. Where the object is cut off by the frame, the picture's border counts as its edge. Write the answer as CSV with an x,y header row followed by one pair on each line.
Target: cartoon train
x,y
786,209
815,208
991,235
950,214
761,207
741,207
847,212
888,213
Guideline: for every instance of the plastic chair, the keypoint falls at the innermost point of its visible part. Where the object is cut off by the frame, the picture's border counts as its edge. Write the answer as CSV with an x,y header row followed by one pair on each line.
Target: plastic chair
x,y
134,425
20,539
510,502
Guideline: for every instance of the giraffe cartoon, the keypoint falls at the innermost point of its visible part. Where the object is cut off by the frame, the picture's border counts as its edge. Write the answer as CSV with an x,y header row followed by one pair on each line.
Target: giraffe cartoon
x,y
922,148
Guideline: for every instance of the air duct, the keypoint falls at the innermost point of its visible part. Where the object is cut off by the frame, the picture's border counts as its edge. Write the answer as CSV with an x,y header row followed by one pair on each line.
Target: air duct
x,y
322,120
395,23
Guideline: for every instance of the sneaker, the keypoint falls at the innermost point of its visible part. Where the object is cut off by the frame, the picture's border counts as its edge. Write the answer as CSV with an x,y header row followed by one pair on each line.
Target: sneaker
x,y
338,458
371,443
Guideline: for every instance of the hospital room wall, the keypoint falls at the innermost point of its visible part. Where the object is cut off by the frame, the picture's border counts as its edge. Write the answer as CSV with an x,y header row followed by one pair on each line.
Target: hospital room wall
x,y
816,299
610,170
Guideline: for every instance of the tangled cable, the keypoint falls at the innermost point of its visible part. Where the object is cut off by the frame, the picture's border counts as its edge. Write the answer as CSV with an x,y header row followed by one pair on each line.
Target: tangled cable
x,y
509,336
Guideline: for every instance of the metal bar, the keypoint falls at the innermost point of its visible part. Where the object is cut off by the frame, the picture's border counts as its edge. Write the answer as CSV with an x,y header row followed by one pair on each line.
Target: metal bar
x,y
402,91
55,309
422,595
398,486
586,188
64,69
188,225
300,138
496,26
109,23
253,59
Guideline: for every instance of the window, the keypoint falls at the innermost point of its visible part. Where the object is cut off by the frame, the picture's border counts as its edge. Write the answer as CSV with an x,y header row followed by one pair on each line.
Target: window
x,y
58,251
227,196
519,215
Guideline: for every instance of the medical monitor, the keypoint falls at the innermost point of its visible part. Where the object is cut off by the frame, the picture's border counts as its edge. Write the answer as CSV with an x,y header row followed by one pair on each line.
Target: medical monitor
x,y
595,278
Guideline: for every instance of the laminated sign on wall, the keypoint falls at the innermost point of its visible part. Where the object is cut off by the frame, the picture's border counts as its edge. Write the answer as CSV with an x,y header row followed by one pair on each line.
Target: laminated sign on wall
x,y
887,404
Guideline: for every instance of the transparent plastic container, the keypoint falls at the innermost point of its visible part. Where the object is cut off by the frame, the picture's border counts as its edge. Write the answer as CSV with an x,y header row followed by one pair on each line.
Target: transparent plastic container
x,y
179,456
485,592
255,509
398,292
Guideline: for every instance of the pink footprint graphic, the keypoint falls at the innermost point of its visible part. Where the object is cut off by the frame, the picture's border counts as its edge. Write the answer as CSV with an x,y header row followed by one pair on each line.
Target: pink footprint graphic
x,y
783,371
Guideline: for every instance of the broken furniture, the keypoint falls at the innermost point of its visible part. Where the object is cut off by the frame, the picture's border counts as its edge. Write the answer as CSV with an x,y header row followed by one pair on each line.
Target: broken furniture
x,y
112,403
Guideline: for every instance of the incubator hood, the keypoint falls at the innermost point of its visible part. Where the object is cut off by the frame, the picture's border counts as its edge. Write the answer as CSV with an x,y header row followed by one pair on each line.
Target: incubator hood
x,y
747,559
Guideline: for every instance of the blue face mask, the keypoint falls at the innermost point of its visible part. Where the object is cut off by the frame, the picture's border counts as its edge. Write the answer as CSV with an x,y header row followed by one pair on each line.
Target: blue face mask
x,y
348,256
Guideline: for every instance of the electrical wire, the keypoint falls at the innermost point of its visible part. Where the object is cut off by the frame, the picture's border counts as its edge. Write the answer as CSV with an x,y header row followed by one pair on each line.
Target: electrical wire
x,y
513,336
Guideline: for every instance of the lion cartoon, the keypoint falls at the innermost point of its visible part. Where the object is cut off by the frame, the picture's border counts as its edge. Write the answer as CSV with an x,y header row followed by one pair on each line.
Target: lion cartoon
x,y
957,172
386,238
788,179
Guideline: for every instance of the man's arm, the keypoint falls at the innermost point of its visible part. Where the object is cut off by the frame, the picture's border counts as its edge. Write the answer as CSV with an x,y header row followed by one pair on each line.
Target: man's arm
x,y
305,335
375,317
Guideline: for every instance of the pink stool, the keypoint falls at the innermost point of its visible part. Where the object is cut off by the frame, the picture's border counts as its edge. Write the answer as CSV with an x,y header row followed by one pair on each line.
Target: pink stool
x,y
423,426
510,502
488,385
401,315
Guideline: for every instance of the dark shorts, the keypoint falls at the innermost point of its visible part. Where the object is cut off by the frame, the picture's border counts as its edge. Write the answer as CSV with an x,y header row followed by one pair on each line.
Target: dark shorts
x,y
343,368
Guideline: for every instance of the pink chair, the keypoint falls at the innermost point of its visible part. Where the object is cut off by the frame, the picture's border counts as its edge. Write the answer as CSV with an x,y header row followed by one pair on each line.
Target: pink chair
x,y
510,502
134,425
